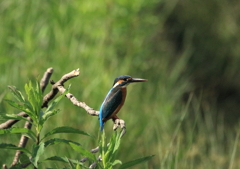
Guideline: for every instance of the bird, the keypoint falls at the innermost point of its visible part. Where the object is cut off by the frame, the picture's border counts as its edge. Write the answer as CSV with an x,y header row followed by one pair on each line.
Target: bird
x,y
115,98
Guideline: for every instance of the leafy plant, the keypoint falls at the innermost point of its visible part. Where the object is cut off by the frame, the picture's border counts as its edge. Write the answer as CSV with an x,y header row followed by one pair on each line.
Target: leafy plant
x,y
108,153
32,106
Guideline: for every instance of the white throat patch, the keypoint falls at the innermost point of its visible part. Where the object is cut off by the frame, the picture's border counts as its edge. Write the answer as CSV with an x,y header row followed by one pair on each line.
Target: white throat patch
x,y
119,83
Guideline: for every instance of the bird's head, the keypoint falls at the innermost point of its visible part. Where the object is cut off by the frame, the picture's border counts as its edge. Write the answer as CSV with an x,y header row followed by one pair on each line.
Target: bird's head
x,y
125,80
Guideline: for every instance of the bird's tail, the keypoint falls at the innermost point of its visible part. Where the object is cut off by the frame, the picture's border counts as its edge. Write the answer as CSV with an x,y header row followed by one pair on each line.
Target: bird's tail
x,y
101,121
101,125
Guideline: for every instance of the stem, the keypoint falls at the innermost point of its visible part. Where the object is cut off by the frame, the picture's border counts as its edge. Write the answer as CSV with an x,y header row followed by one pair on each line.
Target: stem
x,y
103,149
38,141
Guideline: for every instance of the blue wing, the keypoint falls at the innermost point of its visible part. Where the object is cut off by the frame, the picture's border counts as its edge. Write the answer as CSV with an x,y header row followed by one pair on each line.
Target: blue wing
x,y
110,104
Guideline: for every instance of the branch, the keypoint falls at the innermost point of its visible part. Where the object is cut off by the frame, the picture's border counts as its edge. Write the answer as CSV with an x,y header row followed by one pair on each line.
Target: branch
x,y
5,166
75,102
59,86
54,90
45,79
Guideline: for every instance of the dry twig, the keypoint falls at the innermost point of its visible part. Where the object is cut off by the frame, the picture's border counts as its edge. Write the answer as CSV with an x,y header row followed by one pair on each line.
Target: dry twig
x,y
61,82
22,143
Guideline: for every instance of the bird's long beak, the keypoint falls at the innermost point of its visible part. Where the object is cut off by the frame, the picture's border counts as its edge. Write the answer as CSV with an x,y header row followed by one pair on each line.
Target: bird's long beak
x,y
137,80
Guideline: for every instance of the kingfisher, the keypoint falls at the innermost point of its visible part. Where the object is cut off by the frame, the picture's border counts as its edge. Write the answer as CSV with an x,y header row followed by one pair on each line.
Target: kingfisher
x,y
115,98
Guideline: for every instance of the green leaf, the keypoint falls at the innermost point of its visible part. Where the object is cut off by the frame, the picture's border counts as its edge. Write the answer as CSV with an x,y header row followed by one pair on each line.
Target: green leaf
x,y
116,162
34,97
55,141
71,164
23,107
41,121
82,151
108,165
61,159
54,103
117,142
27,132
18,106
135,162
17,94
57,158
29,92
47,115
65,129
14,117
113,147
38,150
109,153
23,159
38,94
13,147
78,166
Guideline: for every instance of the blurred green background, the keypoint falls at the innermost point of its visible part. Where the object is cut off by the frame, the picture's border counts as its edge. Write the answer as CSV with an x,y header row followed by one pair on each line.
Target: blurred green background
x,y
187,114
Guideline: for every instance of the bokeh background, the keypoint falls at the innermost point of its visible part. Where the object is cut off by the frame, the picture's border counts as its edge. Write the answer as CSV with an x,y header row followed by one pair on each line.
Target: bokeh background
x,y
187,114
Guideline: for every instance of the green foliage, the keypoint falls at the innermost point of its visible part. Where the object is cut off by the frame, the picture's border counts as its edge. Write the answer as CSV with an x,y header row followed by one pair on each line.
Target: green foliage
x,y
32,106
108,153
37,151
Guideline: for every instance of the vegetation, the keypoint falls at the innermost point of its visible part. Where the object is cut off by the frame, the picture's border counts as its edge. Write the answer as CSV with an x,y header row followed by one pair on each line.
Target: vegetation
x,y
38,118
187,114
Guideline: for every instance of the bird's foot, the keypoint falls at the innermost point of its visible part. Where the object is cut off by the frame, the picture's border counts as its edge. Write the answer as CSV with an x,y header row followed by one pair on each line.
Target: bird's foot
x,y
120,123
